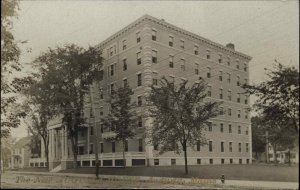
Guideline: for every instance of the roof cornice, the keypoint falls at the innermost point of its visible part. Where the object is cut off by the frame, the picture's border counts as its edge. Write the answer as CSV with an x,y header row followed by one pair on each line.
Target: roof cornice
x,y
174,28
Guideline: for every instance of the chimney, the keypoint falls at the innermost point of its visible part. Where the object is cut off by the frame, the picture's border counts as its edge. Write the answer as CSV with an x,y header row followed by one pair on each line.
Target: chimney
x,y
230,45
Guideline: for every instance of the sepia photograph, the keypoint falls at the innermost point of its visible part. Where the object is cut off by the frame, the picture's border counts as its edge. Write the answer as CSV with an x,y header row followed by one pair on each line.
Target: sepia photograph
x,y
173,94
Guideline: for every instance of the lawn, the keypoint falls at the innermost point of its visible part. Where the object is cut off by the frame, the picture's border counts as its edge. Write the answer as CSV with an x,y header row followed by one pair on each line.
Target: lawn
x,y
232,172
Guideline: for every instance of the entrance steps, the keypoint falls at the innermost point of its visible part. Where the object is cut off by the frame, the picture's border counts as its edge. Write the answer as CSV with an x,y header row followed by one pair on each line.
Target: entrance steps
x,y
56,169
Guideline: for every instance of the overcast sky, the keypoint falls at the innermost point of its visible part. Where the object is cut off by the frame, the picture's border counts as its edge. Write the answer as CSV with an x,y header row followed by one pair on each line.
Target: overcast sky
x,y
265,30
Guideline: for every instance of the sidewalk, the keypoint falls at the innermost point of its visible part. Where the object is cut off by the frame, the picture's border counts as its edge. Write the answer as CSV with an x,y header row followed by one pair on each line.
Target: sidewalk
x,y
188,181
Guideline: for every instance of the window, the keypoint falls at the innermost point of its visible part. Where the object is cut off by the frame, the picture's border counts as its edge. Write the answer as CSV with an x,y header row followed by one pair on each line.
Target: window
x,y
156,162
247,147
125,83
138,58
155,146
139,82
211,161
237,65
140,145
228,77
101,93
245,81
228,61
112,89
154,81
115,49
171,61
231,161
222,127
101,73
221,111
246,114
153,35
182,65
80,150
182,44
209,91
112,70
124,44
173,162
247,160
222,146
101,128
210,126
220,59
113,146
82,132
198,145
246,99
229,128
245,67
240,147
91,149
229,111
238,98
111,51
107,52
221,93
126,145
230,146
92,131
239,130
207,54
197,69
171,40
220,75
196,50
239,113
154,56
229,95
138,37
140,122
222,161
124,64
208,72
246,132
198,161
140,101
238,81
210,146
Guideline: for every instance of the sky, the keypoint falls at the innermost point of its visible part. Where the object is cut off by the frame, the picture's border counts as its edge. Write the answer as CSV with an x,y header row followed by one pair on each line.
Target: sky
x,y
264,30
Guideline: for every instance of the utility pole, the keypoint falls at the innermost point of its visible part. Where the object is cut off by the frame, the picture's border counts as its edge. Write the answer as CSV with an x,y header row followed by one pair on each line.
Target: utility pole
x,y
95,127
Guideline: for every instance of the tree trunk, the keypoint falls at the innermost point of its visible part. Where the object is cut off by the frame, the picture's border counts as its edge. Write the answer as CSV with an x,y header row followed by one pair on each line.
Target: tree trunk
x,y
124,160
289,157
46,145
74,147
185,158
275,155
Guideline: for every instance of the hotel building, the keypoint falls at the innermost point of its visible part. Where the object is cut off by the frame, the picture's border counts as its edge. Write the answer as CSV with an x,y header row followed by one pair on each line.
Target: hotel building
x,y
139,55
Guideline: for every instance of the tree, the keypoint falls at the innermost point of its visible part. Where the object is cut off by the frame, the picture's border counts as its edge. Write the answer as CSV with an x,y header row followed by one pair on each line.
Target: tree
x,y
69,72
272,120
122,120
282,91
40,111
180,115
258,136
10,65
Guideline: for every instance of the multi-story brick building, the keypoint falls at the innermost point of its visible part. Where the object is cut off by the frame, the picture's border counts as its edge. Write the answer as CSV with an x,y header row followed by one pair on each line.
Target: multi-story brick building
x,y
139,55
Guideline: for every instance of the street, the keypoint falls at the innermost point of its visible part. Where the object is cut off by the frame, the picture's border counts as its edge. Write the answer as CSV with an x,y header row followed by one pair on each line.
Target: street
x,y
29,181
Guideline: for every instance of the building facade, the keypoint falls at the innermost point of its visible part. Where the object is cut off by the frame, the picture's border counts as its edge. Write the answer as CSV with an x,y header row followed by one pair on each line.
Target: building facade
x,y
139,55
20,153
